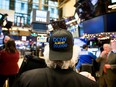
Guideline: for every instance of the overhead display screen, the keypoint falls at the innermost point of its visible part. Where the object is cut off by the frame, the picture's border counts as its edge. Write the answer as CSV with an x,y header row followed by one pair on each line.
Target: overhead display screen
x,y
94,25
39,16
39,27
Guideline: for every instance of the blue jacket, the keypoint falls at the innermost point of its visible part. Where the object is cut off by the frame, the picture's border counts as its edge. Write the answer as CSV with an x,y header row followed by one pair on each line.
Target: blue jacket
x,y
85,57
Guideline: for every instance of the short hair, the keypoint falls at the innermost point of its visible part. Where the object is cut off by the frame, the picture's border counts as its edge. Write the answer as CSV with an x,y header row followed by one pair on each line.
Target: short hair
x,y
85,46
106,45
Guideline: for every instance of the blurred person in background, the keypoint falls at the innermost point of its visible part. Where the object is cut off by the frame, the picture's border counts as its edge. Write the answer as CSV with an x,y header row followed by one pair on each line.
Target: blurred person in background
x,y
5,40
3,18
110,66
102,59
85,57
60,56
9,57
33,48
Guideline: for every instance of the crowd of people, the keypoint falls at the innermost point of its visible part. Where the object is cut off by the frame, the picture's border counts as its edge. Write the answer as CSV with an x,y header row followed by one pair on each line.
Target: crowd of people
x,y
64,62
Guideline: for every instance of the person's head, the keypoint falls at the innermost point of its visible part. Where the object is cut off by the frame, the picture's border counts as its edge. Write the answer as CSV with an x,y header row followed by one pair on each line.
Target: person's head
x,y
61,52
10,46
85,46
6,38
107,47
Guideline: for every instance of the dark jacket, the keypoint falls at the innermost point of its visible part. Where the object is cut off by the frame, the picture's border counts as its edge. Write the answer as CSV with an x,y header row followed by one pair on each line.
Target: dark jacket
x,y
111,73
47,77
31,62
102,61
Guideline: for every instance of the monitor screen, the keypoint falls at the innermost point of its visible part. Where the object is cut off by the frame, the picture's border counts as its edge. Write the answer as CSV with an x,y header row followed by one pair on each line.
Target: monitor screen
x,y
39,27
39,16
24,38
111,22
94,25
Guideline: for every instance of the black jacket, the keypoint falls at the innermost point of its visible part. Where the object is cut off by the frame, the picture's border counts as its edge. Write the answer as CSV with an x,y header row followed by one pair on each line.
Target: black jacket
x,y
47,77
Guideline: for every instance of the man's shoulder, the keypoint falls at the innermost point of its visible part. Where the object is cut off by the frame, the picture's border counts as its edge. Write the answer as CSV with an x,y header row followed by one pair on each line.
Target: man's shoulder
x,y
34,73
42,75
87,81
31,78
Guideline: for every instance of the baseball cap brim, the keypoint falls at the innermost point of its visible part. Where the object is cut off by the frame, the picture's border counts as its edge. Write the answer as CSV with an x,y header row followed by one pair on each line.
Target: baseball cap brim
x,y
64,56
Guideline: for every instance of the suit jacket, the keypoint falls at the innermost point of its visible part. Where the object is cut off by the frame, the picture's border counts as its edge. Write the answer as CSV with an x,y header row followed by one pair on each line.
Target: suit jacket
x,y
102,61
111,73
